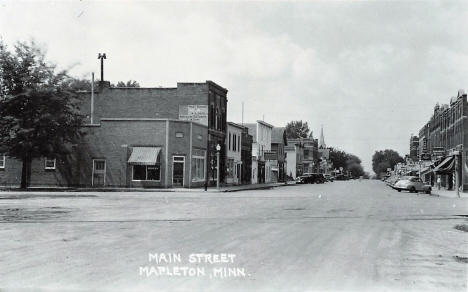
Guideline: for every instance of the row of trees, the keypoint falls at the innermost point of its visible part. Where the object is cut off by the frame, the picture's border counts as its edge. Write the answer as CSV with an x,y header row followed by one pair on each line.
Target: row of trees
x,y
349,162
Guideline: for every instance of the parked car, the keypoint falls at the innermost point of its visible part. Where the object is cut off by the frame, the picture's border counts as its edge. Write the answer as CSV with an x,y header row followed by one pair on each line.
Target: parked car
x,y
304,179
329,177
392,180
412,184
317,178
321,178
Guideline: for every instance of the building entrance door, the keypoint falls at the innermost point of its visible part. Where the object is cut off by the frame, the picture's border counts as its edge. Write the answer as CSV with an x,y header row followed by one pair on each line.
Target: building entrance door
x,y
99,173
178,166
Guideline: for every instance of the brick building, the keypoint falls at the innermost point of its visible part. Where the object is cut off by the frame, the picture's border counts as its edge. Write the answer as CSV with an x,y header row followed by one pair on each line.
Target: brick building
x,y
443,142
140,137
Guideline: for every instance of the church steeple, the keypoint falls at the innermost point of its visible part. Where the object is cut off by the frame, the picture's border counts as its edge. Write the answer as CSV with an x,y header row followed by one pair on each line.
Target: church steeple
x,y
322,144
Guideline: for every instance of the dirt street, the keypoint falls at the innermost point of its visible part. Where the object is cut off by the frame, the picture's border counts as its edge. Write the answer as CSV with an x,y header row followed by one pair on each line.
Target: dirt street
x,y
340,236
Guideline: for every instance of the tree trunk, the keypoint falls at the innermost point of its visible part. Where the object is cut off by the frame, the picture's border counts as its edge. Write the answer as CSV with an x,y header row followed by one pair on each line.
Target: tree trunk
x,y
25,173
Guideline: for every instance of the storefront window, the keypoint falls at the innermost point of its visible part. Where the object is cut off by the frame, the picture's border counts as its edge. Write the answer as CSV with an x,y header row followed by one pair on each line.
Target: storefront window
x,y
198,165
147,172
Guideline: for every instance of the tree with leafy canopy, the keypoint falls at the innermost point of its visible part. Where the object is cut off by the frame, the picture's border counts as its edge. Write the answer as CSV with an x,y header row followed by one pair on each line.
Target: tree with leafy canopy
x,y
350,162
39,112
382,160
355,169
296,130
338,158
130,83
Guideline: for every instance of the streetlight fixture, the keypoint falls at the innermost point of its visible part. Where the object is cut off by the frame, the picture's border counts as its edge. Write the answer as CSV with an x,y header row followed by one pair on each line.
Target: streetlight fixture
x,y
218,148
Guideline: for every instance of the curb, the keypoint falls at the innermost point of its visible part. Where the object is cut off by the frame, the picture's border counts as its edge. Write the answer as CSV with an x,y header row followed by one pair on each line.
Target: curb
x,y
107,190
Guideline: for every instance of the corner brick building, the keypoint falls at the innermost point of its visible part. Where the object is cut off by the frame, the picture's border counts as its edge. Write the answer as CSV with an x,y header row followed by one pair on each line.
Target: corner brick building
x,y
140,137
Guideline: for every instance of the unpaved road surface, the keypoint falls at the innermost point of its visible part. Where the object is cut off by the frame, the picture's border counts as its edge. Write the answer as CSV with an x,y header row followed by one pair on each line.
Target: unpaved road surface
x,y
340,236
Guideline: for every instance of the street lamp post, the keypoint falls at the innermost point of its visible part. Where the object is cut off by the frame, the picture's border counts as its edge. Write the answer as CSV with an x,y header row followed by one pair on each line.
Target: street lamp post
x,y
457,173
218,148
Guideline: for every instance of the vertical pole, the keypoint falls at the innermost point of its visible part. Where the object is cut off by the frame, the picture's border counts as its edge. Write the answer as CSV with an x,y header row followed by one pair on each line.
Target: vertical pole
x,y
457,174
102,69
92,97
420,169
217,170
242,113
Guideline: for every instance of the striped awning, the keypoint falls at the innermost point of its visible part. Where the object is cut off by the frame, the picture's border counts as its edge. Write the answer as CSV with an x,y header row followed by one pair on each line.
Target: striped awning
x,y
446,167
144,155
425,170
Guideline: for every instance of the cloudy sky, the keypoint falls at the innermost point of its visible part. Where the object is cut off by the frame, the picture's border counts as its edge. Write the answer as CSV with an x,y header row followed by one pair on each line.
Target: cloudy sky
x,y
370,72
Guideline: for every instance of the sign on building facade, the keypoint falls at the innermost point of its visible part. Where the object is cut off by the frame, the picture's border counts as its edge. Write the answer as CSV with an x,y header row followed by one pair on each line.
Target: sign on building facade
x,y
196,113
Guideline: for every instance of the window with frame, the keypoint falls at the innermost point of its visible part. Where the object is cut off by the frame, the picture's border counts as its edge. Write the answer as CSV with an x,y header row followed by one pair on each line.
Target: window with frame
x,y
198,164
2,161
49,163
147,172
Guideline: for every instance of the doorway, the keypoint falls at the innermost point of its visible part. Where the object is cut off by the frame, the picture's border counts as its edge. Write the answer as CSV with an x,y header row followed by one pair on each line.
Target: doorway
x,y
99,173
178,167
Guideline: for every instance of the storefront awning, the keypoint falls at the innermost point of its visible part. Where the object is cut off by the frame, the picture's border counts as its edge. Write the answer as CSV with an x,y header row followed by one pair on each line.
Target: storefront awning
x,y
144,155
446,167
425,170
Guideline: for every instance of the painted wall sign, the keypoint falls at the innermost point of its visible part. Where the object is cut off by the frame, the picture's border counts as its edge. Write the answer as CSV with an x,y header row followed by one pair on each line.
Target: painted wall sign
x,y
196,113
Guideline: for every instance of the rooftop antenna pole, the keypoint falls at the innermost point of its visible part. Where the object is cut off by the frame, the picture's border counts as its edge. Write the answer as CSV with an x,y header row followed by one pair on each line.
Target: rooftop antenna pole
x,y
242,113
92,97
102,57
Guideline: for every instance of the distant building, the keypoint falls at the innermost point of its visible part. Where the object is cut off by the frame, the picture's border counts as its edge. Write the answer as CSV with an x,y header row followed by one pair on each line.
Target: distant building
x,y
322,144
234,159
414,148
246,156
261,146
278,158
295,158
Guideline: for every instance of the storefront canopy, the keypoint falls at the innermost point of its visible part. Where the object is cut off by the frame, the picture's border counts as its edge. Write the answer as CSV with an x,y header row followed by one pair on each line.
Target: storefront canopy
x,y
425,170
446,167
144,155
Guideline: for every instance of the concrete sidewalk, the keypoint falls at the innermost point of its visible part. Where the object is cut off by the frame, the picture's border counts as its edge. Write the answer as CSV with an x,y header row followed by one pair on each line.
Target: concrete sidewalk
x,y
228,188
445,193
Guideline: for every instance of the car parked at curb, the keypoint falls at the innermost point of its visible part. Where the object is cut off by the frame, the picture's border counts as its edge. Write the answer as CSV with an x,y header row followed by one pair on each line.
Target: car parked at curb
x,y
413,185
304,179
316,178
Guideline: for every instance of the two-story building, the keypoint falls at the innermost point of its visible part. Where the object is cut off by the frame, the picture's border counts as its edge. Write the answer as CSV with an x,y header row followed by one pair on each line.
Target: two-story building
x,y
261,144
140,137
246,156
234,157
278,144
295,158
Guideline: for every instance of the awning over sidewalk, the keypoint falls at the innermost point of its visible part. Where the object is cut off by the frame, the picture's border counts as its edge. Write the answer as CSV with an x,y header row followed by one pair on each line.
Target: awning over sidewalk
x,y
425,170
144,155
446,167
